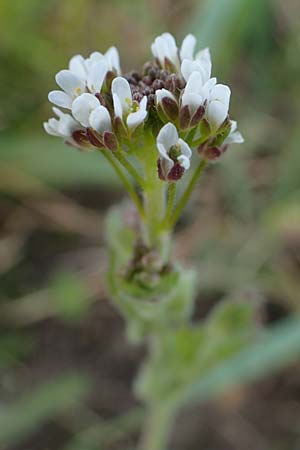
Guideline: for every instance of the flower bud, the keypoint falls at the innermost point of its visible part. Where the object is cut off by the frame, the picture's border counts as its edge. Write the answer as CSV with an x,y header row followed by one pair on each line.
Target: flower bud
x,y
170,108
184,117
94,138
110,140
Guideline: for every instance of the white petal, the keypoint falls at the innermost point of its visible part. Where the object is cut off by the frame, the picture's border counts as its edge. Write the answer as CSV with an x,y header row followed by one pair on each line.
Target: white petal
x,y
161,93
234,138
188,47
216,113
207,88
58,112
203,67
82,108
61,99
192,100
166,161
167,136
94,58
184,148
113,58
117,106
221,92
96,76
121,88
233,126
204,54
184,161
136,118
70,83
100,119
67,125
171,47
194,83
165,46
50,130
77,67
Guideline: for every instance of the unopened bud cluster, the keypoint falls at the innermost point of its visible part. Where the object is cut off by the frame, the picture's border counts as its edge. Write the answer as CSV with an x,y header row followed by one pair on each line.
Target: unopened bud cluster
x,y
173,98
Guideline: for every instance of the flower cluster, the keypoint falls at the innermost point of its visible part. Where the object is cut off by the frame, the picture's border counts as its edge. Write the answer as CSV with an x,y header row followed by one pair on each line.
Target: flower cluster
x,y
174,99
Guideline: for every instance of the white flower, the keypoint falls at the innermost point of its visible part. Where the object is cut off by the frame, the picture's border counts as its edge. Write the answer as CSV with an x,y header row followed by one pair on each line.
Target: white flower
x,y
64,126
124,107
173,150
72,86
201,64
196,92
188,47
234,136
164,48
89,113
84,74
218,105
111,59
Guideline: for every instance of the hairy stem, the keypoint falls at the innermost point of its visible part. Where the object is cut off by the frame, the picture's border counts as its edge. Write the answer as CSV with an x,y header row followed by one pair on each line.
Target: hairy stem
x,y
130,168
127,184
187,193
157,428
154,201
170,204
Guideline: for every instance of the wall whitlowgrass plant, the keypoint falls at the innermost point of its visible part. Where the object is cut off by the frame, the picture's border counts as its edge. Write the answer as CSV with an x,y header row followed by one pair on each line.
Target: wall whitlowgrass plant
x,y
159,129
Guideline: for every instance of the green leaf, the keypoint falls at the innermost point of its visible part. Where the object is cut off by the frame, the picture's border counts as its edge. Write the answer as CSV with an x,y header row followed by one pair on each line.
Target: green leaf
x,y
18,420
275,348
181,355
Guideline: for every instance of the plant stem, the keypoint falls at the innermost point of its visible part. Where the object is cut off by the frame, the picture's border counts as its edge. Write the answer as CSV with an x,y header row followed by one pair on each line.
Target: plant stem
x,y
170,204
154,201
187,193
157,428
129,187
131,169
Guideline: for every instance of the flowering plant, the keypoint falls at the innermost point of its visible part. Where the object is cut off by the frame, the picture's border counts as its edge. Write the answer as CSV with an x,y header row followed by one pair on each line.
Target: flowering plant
x,y
154,127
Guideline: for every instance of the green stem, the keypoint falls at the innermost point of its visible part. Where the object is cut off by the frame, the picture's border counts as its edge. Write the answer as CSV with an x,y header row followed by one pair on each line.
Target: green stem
x,y
131,169
170,204
154,201
187,193
130,189
157,428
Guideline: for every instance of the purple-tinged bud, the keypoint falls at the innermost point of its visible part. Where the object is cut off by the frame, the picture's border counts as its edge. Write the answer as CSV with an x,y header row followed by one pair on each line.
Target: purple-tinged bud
x,y
109,78
170,108
211,153
94,138
120,128
101,98
169,66
81,138
198,115
184,117
174,174
110,140
205,129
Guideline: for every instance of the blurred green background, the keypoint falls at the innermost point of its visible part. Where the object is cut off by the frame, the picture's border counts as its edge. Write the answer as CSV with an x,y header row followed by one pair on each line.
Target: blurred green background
x,y
66,370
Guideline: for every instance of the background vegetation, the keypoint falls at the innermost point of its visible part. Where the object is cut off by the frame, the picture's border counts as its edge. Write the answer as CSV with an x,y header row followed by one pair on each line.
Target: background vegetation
x,y
66,370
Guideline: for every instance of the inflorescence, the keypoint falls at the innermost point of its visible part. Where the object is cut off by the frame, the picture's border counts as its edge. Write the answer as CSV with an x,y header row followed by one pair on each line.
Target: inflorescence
x,y
174,99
